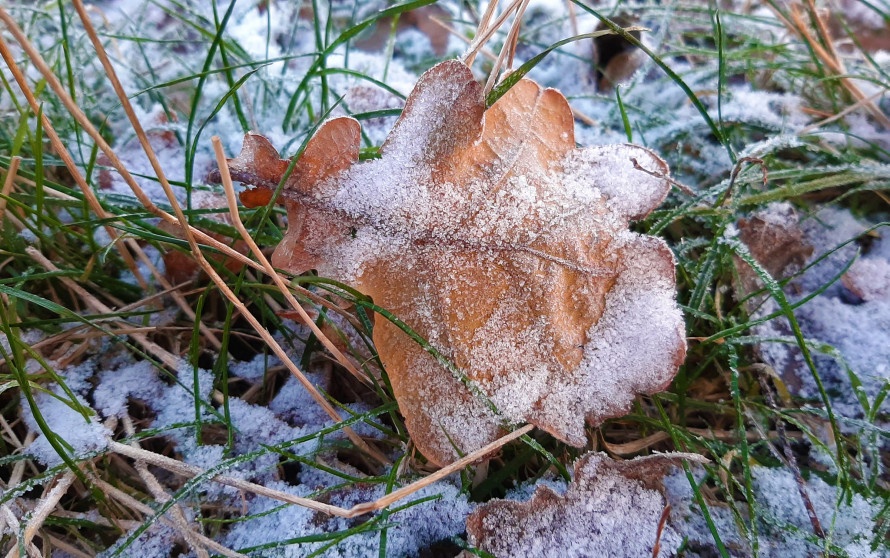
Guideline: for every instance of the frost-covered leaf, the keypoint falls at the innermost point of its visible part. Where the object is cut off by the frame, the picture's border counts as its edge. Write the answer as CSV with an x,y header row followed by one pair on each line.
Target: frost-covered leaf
x,y
490,235
611,508
775,240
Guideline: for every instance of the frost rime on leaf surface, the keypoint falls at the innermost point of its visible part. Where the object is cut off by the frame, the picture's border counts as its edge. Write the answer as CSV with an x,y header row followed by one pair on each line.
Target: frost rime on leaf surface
x,y
490,235
612,508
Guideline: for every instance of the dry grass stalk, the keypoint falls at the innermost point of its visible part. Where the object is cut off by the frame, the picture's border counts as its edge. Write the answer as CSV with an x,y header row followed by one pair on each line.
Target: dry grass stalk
x,y
190,471
636,446
477,43
822,45
479,50
78,115
852,108
789,459
182,221
267,337
160,495
170,360
573,16
58,543
132,503
232,200
8,182
59,147
513,35
484,32
13,526
509,45
46,505
130,244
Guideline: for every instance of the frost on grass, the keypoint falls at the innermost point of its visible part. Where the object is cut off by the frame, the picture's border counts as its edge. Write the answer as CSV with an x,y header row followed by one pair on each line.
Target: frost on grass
x,y
492,237
782,523
174,408
154,542
432,515
611,508
67,424
846,324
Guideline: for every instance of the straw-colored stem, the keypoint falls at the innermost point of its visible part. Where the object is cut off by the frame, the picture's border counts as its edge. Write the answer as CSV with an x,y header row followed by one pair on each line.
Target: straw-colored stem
x,y
60,149
170,360
187,470
8,182
270,341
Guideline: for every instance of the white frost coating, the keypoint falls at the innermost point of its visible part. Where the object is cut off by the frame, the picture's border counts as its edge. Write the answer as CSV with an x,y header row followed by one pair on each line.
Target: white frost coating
x,y
138,380
630,191
154,542
783,523
254,369
294,404
409,531
869,278
502,244
65,423
850,316
83,435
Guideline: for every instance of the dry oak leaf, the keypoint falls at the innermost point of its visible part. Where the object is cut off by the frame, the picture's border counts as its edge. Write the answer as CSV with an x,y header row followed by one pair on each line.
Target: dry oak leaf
x,y
611,508
495,239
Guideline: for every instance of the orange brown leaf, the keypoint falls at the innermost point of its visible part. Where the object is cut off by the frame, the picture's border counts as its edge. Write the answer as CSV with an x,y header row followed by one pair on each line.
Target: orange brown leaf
x,y
497,240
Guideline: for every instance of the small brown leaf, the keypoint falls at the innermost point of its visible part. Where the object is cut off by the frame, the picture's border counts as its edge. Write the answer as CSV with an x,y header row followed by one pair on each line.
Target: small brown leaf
x,y
611,508
615,59
775,240
491,236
